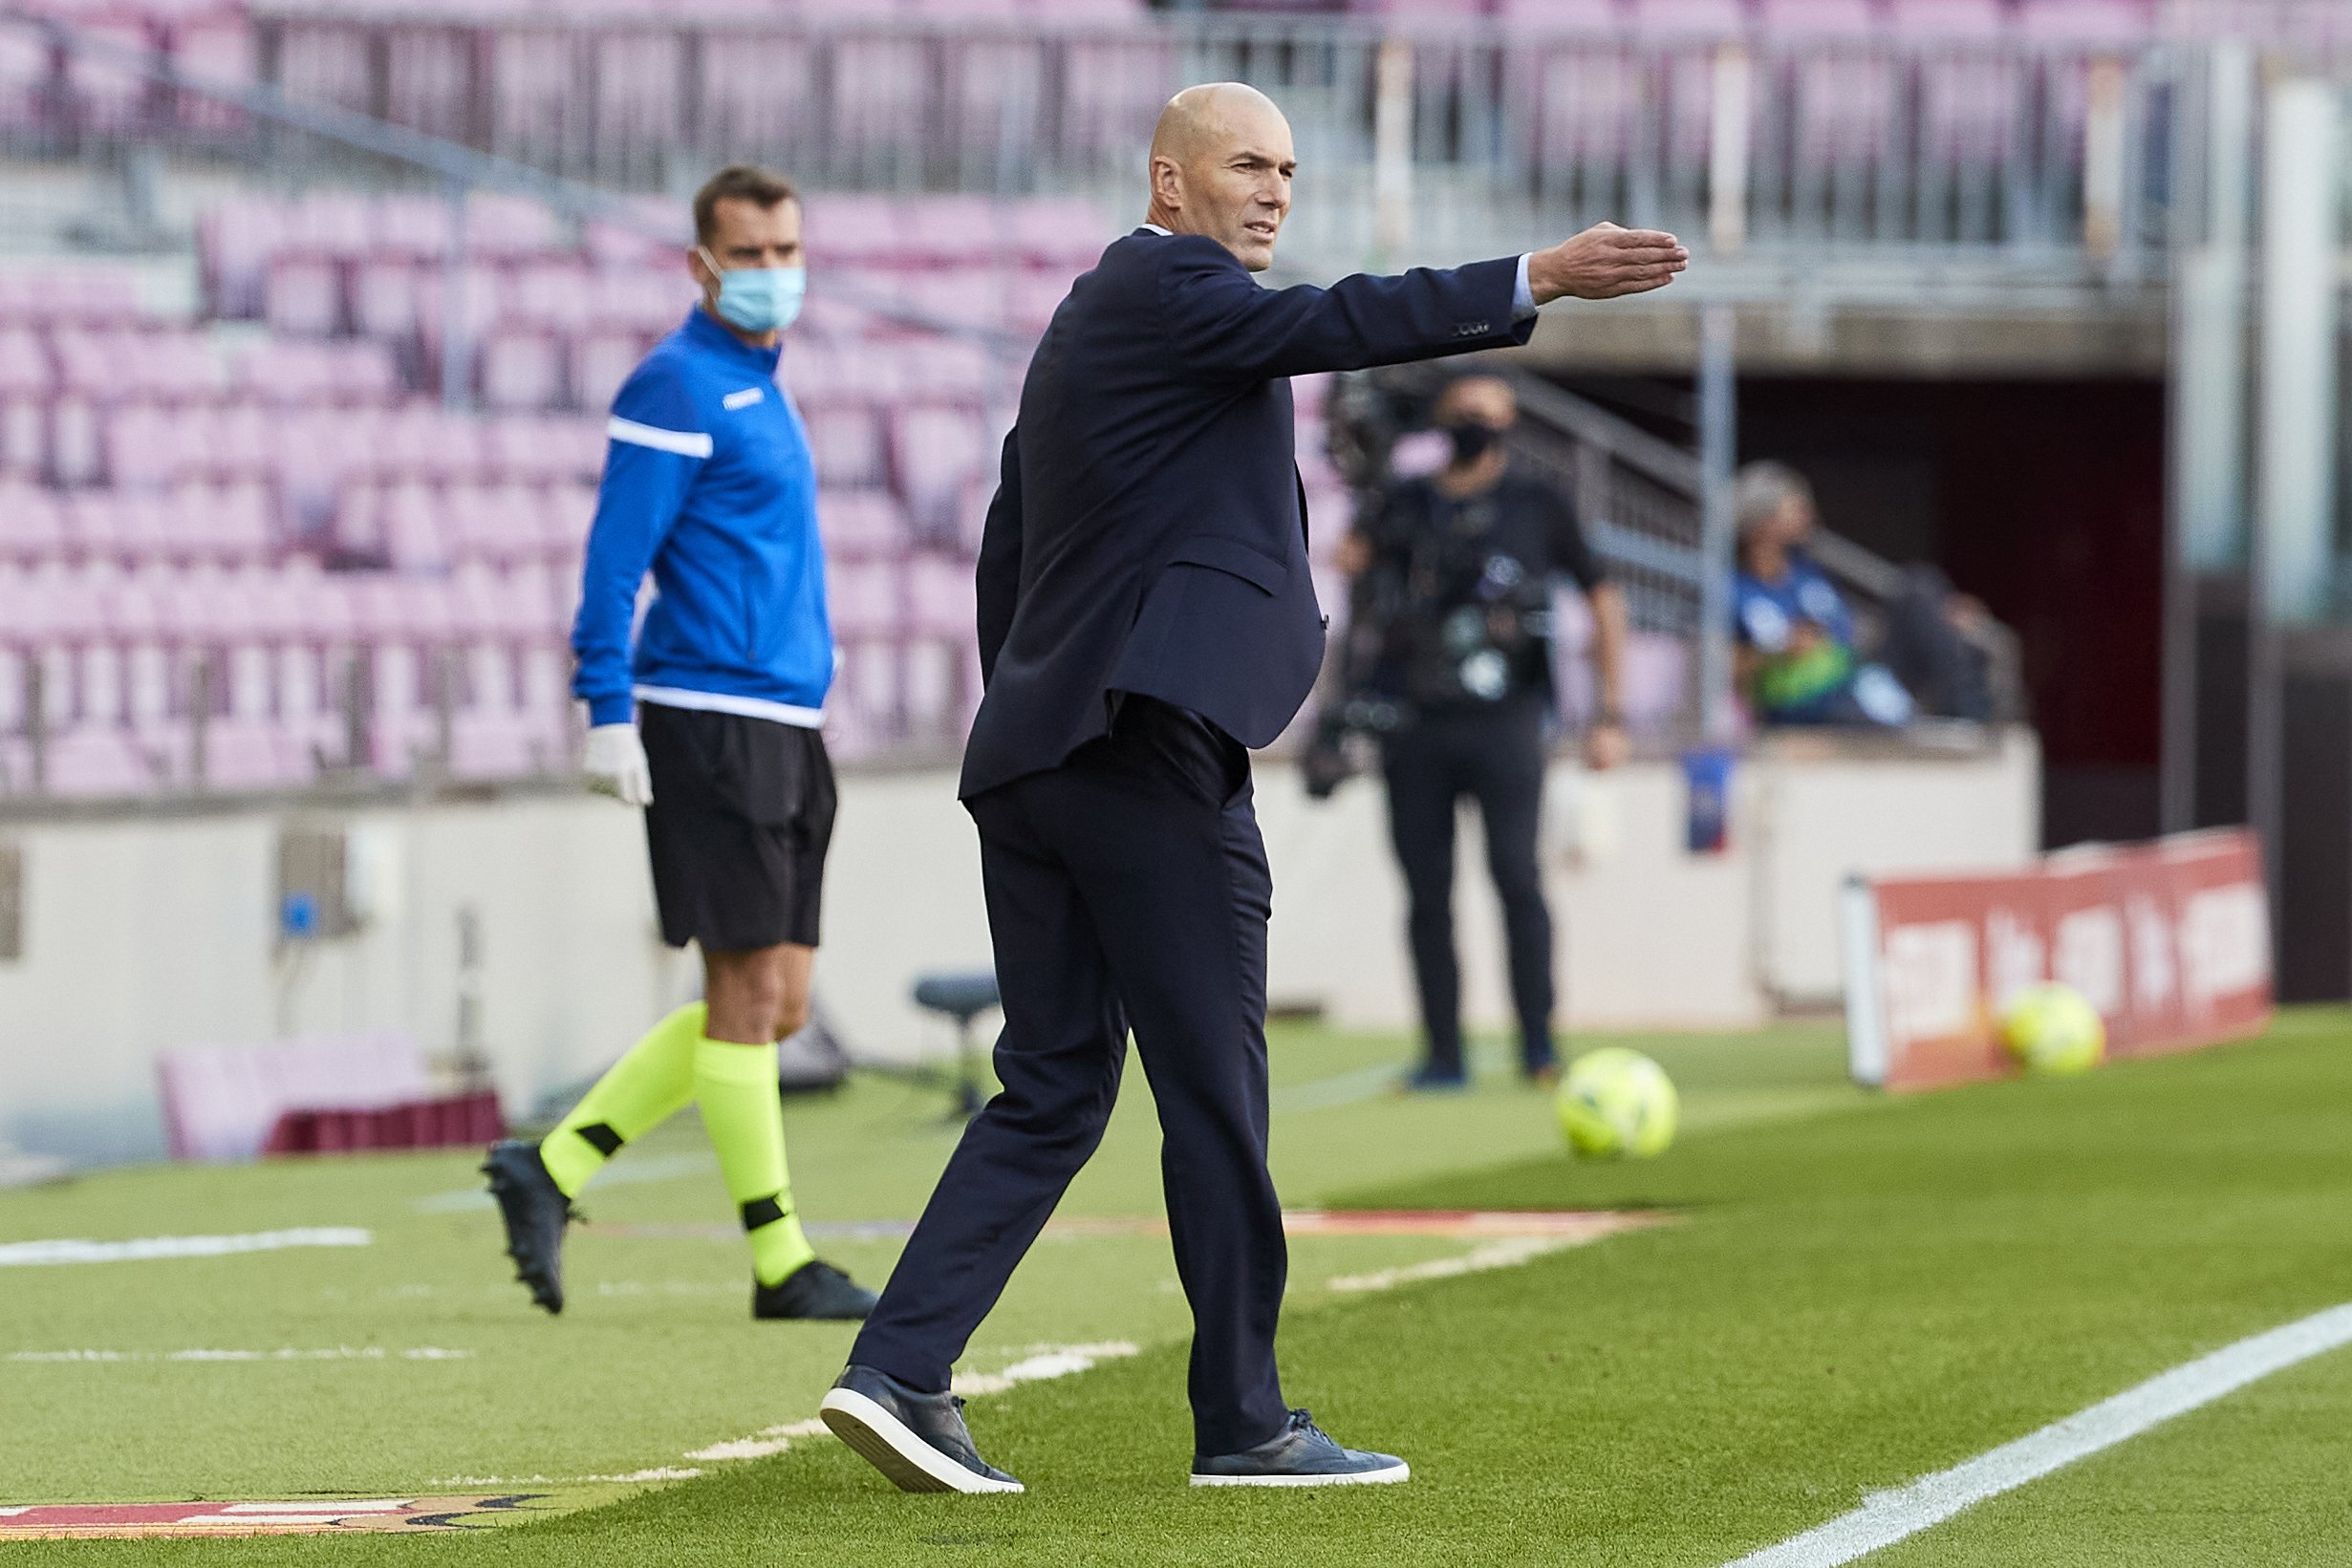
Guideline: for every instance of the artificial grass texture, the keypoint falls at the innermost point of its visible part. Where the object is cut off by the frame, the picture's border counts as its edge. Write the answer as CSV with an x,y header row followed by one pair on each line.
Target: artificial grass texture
x,y
659,1285
1851,1301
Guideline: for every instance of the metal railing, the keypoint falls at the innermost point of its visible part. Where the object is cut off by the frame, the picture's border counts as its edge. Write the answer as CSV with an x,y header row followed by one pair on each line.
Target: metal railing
x,y
1639,498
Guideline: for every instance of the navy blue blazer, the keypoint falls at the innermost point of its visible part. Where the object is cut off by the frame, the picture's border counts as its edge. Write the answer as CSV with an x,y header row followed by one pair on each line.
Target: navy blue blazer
x,y
1148,534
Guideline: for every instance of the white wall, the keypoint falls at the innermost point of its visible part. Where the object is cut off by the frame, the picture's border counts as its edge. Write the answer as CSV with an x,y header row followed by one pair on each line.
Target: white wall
x,y
144,932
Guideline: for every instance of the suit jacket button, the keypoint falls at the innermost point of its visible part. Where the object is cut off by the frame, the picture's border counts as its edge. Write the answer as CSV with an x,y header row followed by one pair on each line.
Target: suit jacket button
x,y
1326,623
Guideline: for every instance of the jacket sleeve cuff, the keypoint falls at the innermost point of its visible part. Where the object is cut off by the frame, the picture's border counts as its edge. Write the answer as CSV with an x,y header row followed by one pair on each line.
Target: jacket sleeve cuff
x,y
618,708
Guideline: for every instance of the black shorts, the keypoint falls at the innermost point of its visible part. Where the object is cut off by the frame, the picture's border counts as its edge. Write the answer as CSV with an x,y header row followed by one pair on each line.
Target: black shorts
x,y
742,817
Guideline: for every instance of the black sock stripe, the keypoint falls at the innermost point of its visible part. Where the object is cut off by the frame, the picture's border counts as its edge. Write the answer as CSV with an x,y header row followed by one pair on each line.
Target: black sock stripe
x,y
761,1212
600,1136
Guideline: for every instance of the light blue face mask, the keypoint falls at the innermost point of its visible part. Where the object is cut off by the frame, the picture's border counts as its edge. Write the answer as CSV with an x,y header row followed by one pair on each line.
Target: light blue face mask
x,y
759,299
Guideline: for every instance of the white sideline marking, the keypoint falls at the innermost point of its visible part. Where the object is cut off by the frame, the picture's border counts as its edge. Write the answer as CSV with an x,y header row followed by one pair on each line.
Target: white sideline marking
x,y
1043,1361
1508,1252
30,1254
1885,1517
342,1352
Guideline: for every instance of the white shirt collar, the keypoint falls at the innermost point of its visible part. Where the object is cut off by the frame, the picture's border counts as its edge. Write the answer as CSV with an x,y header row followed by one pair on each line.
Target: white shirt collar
x,y
1161,232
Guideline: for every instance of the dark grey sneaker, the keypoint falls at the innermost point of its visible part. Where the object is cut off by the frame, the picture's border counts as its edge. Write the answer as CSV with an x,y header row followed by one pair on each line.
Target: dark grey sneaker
x,y
816,1290
1301,1455
536,1212
917,1440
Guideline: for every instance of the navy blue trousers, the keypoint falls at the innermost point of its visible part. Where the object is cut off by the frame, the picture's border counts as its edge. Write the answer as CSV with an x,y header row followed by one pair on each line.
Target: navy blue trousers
x,y
1127,888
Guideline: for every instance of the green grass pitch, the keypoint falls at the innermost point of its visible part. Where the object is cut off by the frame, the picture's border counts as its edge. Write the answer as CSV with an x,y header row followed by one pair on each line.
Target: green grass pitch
x,y
1857,1290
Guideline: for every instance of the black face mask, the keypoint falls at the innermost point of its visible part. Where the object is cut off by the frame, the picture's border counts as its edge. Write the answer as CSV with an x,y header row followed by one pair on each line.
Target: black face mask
x,y
1471,440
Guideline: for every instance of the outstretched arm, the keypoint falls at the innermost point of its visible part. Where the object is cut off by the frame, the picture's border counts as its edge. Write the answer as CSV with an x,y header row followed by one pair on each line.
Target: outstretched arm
x,y
997,578
1222,324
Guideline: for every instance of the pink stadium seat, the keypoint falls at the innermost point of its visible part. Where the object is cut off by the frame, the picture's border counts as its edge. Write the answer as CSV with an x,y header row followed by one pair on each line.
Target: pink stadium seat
x,y
860,525
600,362
846,441
939,596
2090,22
1712,19
1802,19
512,226
1560,16
25,365
76,451
383,299
303,294
521,369
24,437
853,228
935,452
30,522
759,92
864,598
1941,19
95,762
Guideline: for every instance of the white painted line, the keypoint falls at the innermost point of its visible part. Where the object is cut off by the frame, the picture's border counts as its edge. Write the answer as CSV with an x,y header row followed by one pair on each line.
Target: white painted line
x,y
32,1254
341,1352
333,1509
1043,1361
1885,1517
1506,1254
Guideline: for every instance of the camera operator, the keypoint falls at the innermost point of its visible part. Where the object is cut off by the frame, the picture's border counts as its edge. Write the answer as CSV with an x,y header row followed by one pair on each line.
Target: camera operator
x,y
1455,577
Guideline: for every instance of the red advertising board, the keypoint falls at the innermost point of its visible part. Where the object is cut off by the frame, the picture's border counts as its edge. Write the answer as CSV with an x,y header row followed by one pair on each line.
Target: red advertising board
x,y
2170,940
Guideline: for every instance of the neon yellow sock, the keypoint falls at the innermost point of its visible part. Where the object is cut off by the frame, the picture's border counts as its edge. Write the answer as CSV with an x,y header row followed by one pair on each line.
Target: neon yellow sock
x,y
643,1089
736,1087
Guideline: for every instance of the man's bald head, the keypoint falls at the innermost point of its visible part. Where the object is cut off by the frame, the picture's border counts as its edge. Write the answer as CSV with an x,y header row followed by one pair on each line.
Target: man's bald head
x,y
1222,164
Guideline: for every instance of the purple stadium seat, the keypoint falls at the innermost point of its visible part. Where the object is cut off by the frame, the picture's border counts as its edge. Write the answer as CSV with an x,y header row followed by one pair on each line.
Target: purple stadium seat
x,y
25,365
600,362
304,294
861,524
846,441
30,522
1941,19
1677,19
96,763
935,453
1540,16
24,437
939,596
758,90
76,452
1804,19
2090,22
521,369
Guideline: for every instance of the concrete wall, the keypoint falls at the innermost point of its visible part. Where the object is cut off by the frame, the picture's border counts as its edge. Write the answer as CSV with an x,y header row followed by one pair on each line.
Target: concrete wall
x,y
146,932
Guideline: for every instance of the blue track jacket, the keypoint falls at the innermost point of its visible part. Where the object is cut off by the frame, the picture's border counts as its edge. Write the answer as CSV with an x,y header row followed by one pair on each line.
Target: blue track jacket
x,y
708,483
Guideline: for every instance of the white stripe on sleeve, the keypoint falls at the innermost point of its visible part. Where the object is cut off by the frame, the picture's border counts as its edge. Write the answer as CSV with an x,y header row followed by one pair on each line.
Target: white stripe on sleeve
x,y
686,443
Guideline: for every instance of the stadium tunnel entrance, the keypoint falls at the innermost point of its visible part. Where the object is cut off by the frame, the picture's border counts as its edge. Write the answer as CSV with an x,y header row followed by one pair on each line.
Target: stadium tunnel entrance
x,y
2044,498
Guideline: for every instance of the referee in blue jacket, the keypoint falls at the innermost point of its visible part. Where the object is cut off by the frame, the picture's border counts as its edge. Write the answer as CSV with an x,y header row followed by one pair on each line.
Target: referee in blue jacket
x,y
712,726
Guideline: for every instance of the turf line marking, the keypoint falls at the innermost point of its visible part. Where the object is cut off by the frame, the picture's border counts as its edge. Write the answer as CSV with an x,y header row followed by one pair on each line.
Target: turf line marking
x,y
1885,1517
34,1254
1043,1363
344,1352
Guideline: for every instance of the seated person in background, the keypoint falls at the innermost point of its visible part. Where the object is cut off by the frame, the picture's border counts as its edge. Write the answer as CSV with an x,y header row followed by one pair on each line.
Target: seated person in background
x,y
1796,659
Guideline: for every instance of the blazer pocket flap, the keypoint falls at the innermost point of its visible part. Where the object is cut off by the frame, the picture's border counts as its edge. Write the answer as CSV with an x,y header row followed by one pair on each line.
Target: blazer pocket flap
x,y
1251,564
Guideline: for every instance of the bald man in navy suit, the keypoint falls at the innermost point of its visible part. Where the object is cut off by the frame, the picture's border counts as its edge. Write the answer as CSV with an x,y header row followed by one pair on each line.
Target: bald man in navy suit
x,y
1147,616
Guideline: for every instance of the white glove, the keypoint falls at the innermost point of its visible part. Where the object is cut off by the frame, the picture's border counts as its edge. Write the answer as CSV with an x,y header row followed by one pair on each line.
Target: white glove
x,y
614,764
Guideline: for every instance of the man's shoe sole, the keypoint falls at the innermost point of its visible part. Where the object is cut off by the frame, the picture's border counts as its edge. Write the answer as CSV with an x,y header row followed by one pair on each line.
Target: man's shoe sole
x,y
890,1446
1356,1479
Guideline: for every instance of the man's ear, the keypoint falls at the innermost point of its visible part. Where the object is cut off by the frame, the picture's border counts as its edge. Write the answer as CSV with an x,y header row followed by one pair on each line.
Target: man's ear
x,y
1168,182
